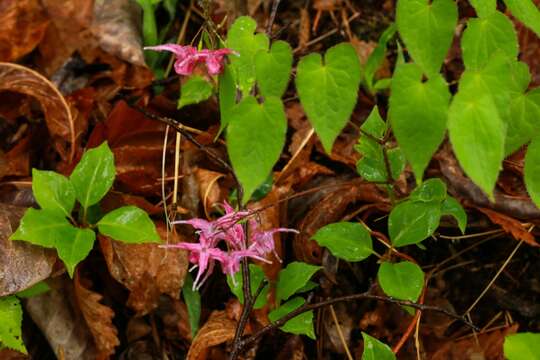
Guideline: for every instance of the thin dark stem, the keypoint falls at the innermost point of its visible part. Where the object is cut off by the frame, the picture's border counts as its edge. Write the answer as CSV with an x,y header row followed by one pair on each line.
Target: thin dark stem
x,y
308,307
272,18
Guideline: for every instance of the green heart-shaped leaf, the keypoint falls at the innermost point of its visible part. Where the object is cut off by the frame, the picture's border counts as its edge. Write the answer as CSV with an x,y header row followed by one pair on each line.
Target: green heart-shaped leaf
x,y
346,240
301,324
412,221
484,7
130,225
403,280
292,278
527,12
195,90
522,346
375,349
273,69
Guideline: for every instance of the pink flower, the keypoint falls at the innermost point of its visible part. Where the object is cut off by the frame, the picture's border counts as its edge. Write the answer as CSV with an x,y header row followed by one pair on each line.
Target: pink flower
x,y
262,242
187,57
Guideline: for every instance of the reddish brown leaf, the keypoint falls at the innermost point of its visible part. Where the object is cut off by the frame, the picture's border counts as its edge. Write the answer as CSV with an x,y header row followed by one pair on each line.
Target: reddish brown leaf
x,y
217,330
209,189
510,225
23,26
146,269
21,264
57,113
98,318
8,354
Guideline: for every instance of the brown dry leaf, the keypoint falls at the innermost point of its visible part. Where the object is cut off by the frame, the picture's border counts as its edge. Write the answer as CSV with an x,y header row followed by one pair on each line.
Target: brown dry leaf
x,y
147,270
510,225
17,159
57,113
21,264
61,323
217,330
98,318
23,26
209,189
8,354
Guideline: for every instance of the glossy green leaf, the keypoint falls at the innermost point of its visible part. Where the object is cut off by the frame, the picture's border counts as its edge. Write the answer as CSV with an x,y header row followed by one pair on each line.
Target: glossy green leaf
x,y
522,346
241,38
412,221
532,170
195,90
328,90
11,315
375,349
273,69
255,138
35,290
430,190
527,12
72,250
43,227
427,28
523,124
452,207
292,278
94,175
486,36
53,191
227,97
301,324
376,58
418,113
192,298
346,240
403,280
310,285
256,277
477,135
484,8
129,224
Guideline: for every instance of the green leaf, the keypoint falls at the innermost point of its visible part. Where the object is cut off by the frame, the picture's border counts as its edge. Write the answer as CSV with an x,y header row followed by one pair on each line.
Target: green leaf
x,y
430,190
532,171
452,207
523,346
301,324
403,280
195,90
72,250
192,299
35,290
310,285
328,91
241,39
477,135
372,166
346,240
484,8
412,221
10,324
292,278
227,97
427,30
53,191
375,349
43,227
418,113
94,175
256,277
255,138
527,12
524,120
376,58
273,69
486,36
129,224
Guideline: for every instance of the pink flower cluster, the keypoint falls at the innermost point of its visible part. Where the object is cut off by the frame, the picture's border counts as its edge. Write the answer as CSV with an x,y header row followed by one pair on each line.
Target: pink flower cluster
x,y
187,57
227,228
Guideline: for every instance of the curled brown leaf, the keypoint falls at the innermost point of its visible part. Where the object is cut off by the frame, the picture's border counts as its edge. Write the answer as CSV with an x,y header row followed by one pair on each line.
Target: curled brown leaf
x,y
217,330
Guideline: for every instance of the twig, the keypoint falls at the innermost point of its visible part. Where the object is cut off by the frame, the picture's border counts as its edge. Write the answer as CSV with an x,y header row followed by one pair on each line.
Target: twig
x,y
272,18
308,307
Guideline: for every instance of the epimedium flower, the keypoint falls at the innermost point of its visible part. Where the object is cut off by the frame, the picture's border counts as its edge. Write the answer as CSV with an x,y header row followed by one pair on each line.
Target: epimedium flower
x,y
228,229
187,57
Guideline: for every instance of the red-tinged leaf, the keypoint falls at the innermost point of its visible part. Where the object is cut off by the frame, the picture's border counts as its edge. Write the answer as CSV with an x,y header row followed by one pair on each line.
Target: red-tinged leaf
x,y
57,113
510,225
217,330
21,264
98,318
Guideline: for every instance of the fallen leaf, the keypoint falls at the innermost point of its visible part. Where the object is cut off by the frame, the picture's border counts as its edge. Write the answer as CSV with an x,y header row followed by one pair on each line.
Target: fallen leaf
x,y
8,354
24,23
61,323
209,189
510,225
21,264
98,318
57,113
217,330
147,270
